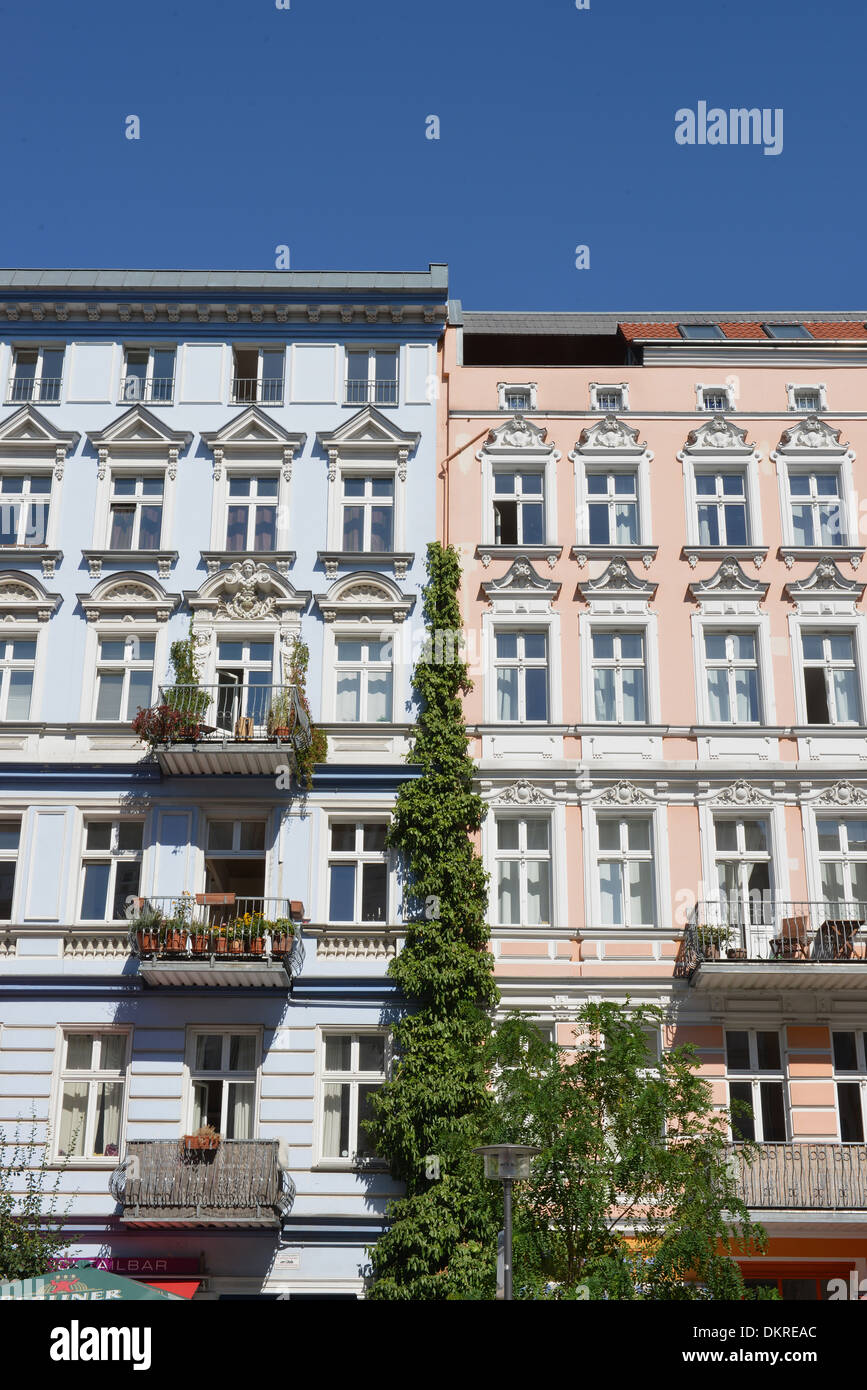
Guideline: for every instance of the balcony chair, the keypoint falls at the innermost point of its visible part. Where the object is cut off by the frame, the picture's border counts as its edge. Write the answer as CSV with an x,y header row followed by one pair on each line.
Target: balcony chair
x,y
835,939
793,943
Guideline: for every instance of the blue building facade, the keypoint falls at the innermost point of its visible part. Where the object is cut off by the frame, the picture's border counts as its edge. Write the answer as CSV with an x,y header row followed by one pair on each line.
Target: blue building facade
x,y
244,462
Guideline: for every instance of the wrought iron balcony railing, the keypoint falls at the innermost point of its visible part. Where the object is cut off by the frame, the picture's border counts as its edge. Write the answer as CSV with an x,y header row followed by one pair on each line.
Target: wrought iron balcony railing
x,y
241,1182
360,391
767,928
151,388
34,388
250,390
803,1176
218,713
215,924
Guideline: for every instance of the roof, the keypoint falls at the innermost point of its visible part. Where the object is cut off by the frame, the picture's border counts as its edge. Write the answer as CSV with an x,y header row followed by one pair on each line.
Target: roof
x,y
657,324
435,278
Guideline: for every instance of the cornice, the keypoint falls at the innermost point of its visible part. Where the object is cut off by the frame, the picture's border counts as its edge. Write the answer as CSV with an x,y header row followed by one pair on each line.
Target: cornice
x,y
218,312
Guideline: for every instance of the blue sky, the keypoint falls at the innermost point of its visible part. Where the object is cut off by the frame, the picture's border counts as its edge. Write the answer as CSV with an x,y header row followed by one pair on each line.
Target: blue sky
x,y
306,127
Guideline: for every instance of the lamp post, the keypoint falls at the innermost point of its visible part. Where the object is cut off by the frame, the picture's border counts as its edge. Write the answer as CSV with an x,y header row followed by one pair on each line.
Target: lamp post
x,y
507,1163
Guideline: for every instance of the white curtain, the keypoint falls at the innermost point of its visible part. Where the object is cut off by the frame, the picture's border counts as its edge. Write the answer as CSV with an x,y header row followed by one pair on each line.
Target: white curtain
x,y
109,1102
509,893
73,1117
718,697
611,893
239,1120
507,694
379,697
348,690
538,891
335,1133
603,681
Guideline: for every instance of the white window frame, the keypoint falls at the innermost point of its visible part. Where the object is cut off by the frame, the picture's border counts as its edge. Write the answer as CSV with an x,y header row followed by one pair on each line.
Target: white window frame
x,y
237,466
367,467
63,1074
147,397
503,389
751,501
844,858
24,497
104,633
7,666
838,461
251,501
521,664
371,349
191,1074
595,463
113,855
523,855
133,468
359,817
821,390
354,1077
259,349
13,856
597,388
503,617
704,388
851,1077
828,624
805,469
137,500
599,620
731,665
741,856
657,812
618,665
374,628
623,857
754,1076
514,471
775,814
37,398
744,618
367,502
366,668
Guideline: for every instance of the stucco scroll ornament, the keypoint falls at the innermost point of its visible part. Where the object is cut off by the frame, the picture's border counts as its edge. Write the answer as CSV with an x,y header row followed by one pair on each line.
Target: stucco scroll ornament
x,y
519,435
522,793
247,601
623,793
740,793
843,794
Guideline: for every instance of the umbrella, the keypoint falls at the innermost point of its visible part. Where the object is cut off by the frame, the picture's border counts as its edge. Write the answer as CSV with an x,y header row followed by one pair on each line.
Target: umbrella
x,y
81,1281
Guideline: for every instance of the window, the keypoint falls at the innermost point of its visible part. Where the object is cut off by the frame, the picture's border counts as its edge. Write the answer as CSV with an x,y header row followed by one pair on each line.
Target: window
x,y
755,1058
244,679
353,1065
235,860
721,507
251,518
807,399
223,1070
135,513
817,508
786,330
36,374
93,1074
519,508
367,514
17,666
850,1059
523,872
148,375
110,869
371,376
10,832
699,332
742,856
364,680
619,681
843,860
626,885
25,501
258,376
521,666
124,676
613,508
609,398
732,676
715,399
516,396
831,685
358,872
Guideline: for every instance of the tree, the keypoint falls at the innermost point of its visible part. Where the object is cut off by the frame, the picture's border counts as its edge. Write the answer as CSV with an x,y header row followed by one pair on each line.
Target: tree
x,y
632,1195
442,1239
29,1237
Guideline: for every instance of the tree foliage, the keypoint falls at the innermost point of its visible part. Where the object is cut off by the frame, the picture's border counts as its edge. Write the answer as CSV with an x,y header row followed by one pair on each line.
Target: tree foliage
x,y
633,1194
442,1240
29,1236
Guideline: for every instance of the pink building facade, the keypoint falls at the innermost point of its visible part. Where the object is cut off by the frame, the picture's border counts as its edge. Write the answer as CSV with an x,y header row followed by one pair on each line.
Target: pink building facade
x,y
661,526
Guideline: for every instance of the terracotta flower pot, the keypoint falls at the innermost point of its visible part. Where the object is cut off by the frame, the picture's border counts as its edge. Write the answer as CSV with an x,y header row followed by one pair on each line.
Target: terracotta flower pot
x,y
200,945
222,945
147,941
236,946
255,946
200,1141
279,945
175,941
280,731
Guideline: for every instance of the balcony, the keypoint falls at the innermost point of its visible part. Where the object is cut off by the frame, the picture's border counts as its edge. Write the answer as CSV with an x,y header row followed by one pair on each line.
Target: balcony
x,y
153,390
766,942
237,728
34,388
360,391
217,941
243,1182
251,390
803,1177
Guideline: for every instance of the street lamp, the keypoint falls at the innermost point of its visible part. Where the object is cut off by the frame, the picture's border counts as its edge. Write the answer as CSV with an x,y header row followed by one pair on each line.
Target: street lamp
x,y
507,1163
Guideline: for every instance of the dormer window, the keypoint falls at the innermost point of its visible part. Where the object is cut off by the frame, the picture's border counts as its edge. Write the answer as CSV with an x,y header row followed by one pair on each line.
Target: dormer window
x,y
516,397
715,399
700,332
809,399
609,397
786,330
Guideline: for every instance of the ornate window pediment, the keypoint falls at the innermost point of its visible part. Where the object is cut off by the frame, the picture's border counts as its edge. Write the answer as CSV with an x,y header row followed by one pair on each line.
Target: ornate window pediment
x,y
137,435
610,435
364,597
825,582
517,433
843,793
728,581
520,793
27,434
810,435
717,436
246,590
128,597
368,435
739,793
521,580
617,581
251,435
23,598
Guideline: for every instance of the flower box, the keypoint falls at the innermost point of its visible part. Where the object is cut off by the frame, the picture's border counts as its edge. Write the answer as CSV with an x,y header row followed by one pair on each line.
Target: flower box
x,y
201,1141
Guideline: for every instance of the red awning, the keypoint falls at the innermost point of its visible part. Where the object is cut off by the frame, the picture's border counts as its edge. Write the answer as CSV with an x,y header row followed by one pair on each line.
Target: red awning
x,y
184,1288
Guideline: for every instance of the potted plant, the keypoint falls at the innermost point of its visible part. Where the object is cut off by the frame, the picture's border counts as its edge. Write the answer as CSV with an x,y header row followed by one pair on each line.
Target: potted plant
x,y
205,1137
147,928
281,715
282,931
178,926
711,939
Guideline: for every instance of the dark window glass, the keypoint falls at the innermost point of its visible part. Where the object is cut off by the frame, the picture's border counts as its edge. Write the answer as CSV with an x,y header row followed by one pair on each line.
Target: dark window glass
x,y
773,1112
851,1118
374,889
738,1050
768,1051
845,1053
743,1123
